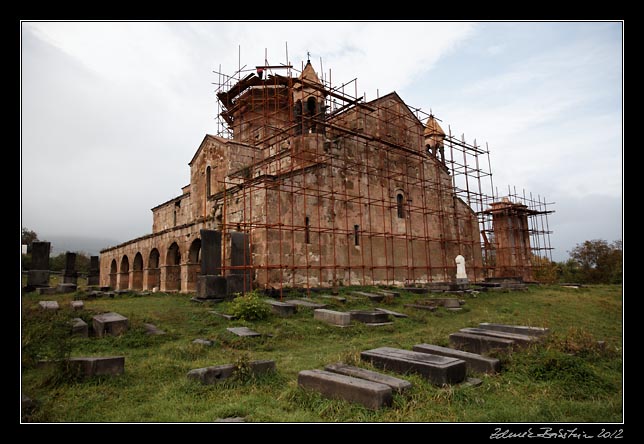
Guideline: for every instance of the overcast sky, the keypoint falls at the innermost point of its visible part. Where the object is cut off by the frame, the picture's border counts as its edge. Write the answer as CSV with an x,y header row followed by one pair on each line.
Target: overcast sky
x,y
113,112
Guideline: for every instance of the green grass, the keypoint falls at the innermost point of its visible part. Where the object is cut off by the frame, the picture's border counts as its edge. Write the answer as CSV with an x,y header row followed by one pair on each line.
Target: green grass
x,y
567,378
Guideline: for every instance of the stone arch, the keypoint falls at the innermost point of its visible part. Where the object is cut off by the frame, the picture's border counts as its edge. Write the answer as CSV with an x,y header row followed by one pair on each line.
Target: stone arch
x,y
194,265
400,204
113,273
137,272
153,272
124,273
173,268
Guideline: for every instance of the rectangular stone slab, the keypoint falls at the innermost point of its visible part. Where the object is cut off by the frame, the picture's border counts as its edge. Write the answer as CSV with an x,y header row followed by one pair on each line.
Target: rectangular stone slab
x,y
38,278
393,313
371,296
243,331
517,338
66,288
519,329
372,395
110,324
337,298
282,308
77,305
369,316
48,305
437,369
224,315
211,375
307,304
446,302
40,255
79,328
210,252
396,384
421,307
474,362
98,366
478,343
332,317
395,294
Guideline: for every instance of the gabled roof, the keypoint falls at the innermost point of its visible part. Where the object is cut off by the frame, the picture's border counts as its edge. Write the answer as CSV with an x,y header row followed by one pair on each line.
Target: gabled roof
x,y
309,73
394,95
203,144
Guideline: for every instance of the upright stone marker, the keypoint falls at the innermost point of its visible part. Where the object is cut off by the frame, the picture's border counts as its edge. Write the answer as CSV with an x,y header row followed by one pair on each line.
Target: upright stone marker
x,y
70,276
239,278
210,283
110,324
38,276
93,277
461,274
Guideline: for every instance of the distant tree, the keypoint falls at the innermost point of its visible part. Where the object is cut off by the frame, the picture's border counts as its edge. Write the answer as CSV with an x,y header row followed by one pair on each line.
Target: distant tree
x,y
598,261
544,269
57,263
28,238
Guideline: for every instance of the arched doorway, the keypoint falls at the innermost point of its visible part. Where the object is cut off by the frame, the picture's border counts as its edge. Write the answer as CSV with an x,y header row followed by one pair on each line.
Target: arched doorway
x,y
173,268
194,265
124,274
137,272
113,273
153,272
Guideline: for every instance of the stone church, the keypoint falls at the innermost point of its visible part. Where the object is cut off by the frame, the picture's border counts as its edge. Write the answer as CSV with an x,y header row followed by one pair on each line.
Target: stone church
x,y
311,189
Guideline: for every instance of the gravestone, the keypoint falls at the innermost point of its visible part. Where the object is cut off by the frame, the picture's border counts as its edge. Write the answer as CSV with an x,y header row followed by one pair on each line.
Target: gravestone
x,y
211,375
473,361
478,343
210,283
93,277
306,304
77,305
372,296
240,274
461,274
110,324
519,339
396,384
38,276
70,276
79,328
369,316
48,305
520,329
99,366
391,312
332,317
243,331
282,308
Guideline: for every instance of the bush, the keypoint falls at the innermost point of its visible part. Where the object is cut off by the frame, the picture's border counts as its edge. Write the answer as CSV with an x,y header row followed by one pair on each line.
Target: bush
x,y
250,307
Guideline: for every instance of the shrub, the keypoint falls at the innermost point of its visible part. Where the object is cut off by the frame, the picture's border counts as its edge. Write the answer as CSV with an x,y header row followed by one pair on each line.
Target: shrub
x,y
250,307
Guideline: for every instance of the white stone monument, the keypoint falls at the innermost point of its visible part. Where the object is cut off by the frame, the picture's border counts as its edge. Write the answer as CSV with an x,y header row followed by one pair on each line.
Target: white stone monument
x,y
461,274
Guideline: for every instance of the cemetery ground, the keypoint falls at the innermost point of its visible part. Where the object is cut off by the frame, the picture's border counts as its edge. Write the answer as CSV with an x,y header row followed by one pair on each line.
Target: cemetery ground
x,y
568,377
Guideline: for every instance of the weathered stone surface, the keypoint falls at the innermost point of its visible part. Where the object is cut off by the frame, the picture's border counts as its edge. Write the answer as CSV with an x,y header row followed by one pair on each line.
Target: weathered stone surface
x,y
211,375
392,313
224,315
243,331
210,252
422,307
40,255
517,338
152,329
47,291
77,305
475,362
93,276
203,342
99,366
66,288
437,369
282,308
372,296
369,316
337,298
332,317
212,287
240,262
306,304
478,343
110,324
79,328
392,293
416,290
372,395
518,329
396,384
445,302
48,305
377,324
472,382
37,278
231,419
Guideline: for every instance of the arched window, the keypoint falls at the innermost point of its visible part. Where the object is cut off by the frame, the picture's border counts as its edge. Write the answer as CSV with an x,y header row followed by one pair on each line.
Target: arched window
x,y
311,105
399,205
208,181
307,233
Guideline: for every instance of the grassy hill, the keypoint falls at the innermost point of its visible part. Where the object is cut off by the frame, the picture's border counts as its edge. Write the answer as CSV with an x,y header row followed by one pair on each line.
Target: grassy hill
x,y
567,378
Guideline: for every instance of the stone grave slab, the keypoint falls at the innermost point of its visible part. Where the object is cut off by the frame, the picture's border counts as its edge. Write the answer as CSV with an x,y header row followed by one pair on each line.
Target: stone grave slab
x,y
223,315
66,288
332,317
372,296
243,331
422,307
306,304
438,370
110,324
369,316
336,298
282,308
372,395
396,384
211,375
79,328
517,338
99,366
395,314
77,305
392,293
478,343
47,290
48,305
518,329
474,362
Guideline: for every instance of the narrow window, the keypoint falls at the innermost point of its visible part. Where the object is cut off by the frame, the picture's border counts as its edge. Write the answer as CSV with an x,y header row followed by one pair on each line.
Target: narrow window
x,y
177,206
399,205
307,234
208,181
356,237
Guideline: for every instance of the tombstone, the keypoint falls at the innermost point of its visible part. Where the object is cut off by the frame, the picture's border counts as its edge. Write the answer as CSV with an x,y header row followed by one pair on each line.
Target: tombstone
x,y
38,276
210,283
110,324
93,277
99,366
239,278
70,276
79,328
461,274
